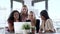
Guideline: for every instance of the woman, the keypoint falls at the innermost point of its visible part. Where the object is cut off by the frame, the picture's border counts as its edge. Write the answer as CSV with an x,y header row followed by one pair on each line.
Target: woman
x,y
47,24
24,13
14,17
34,22
32,18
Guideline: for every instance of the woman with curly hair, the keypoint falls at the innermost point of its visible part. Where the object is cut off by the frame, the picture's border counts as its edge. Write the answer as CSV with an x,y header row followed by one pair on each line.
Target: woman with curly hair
x,y
14,17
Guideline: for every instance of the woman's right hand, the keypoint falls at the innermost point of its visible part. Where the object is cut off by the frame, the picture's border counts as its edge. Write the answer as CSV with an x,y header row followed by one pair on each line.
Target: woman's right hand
x,y
40,31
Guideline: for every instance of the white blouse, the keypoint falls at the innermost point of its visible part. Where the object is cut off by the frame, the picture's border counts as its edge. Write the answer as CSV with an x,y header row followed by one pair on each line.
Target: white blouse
x,y
48,25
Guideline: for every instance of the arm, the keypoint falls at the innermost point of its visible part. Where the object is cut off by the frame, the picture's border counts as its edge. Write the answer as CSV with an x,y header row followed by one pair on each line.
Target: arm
x,y
10,26
42,26
49,26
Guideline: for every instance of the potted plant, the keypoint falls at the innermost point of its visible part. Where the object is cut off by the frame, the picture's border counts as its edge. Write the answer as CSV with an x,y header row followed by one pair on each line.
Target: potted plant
x,y
33,29
26,28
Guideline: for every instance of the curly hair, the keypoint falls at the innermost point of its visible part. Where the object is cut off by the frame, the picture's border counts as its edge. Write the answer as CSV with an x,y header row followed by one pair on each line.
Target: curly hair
x,y
12,14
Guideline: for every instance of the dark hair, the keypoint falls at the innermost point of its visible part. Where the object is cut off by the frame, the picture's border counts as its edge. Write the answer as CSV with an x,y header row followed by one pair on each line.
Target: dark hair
x,y
12,14
45,14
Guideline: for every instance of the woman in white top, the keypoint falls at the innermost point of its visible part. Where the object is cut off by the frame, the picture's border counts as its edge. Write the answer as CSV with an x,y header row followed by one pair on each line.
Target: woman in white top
x,y
47,24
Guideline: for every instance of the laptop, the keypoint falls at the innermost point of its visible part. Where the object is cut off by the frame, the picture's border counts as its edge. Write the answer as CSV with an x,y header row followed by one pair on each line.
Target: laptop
x,y
18,26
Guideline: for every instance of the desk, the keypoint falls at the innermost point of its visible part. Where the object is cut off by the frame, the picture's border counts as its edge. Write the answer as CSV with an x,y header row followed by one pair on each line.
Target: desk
x,y
36,33
6,32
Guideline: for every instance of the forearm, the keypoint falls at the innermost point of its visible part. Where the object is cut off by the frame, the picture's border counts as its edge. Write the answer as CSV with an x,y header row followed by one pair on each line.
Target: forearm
x,y
10,27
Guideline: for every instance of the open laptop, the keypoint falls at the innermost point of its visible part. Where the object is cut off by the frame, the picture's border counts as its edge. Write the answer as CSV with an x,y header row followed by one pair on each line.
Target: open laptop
x,y
18,26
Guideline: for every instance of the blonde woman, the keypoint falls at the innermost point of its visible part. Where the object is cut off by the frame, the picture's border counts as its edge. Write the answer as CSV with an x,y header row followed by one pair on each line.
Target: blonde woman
x,y
31,16
34,22
24,13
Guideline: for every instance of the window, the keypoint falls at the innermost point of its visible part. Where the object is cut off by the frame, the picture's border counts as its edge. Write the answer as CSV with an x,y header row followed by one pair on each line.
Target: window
x,y
39,7
54,12
54,9
4,11
17,6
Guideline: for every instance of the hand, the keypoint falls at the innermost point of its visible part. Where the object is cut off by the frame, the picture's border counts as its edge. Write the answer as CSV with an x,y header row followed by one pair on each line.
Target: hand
x,y
40,31
48,31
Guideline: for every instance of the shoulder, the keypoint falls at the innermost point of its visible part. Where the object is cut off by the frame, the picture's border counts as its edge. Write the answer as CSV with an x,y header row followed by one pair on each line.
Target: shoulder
x,y
10,21
50,20
37,20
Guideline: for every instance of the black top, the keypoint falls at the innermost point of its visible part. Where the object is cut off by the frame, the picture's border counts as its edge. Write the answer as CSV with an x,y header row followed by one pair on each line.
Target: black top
x,y
37,24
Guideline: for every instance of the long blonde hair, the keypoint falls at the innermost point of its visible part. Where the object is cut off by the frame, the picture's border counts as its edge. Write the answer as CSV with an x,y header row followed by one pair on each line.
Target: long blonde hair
x,y
26,12
34,18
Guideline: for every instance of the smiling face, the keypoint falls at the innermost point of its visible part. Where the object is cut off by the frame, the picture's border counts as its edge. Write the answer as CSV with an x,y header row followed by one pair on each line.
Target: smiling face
x,y
42,17
16,15
24,10
31,16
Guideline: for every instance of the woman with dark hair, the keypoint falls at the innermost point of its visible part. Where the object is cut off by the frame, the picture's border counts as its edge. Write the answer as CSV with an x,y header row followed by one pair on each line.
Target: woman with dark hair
x,y
24,13
47,24
14,17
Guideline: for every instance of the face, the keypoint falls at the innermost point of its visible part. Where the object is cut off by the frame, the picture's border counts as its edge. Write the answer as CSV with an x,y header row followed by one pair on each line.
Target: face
x,y
42,17
24,10
31,16
16,15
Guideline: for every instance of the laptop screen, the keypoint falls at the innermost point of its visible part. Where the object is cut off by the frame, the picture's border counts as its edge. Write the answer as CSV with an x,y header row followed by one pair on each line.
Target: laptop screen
x,y
18,26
